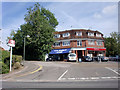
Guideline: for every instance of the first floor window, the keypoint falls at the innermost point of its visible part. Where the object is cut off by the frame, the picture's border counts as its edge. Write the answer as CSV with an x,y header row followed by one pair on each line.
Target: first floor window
x,y
56,44
99,43
91,42
66,43
79,43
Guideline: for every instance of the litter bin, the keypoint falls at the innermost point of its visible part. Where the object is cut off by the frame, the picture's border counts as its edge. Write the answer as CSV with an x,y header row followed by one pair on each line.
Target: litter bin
x,y
79,59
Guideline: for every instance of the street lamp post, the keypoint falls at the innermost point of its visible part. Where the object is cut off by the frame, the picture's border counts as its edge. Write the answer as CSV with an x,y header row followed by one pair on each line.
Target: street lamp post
x,y
24,47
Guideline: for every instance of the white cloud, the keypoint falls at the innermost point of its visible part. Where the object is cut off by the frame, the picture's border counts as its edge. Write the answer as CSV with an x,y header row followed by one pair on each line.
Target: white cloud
x,y
106,12
97,15
110,10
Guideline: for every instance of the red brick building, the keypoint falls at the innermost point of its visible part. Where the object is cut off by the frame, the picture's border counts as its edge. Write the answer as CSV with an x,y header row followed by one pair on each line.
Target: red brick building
x,y
2,48
80,41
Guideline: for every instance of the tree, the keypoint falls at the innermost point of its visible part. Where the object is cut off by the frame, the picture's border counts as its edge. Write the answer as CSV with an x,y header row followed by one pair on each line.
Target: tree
x,y
40,26
112,44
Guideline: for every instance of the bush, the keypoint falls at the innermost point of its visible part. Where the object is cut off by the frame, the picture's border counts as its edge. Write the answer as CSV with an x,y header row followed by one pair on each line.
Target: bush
x,y
17,65
5,68
5,55
16,58
6,61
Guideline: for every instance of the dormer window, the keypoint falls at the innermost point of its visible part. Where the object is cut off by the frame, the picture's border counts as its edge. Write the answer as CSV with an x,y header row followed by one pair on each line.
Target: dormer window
x,y
90,34
66,34
57,36
78,33
98,35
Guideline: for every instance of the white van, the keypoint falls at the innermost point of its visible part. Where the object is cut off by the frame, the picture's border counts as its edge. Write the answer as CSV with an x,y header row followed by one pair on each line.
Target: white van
x,y
72,57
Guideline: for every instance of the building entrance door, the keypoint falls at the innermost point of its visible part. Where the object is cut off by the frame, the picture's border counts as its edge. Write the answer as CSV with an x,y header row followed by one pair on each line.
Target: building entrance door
x,y
79,54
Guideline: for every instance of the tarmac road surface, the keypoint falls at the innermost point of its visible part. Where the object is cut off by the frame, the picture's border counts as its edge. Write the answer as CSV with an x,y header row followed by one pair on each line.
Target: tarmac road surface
x,y
38,74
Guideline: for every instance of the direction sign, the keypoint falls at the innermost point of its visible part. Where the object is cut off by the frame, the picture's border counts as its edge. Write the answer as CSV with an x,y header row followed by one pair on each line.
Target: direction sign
x,y
11,43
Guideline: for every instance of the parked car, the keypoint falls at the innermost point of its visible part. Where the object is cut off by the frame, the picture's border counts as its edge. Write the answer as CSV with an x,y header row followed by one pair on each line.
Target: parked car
x,y
87,59
50,58
117,58
95,58
53,58
72,57
102,58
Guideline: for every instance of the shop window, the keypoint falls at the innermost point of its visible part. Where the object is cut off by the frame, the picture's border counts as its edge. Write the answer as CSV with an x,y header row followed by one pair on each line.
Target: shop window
x,y
90,34
78,33
56,44
98,35
66,43
99,43
57,36
91,42
66,34
79,43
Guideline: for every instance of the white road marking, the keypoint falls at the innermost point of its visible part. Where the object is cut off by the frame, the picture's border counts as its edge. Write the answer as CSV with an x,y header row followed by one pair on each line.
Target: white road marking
x,y
62,75
95,78
112,70
90,78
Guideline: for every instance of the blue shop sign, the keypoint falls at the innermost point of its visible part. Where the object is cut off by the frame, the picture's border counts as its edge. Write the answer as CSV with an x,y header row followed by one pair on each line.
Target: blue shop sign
x,y
60,51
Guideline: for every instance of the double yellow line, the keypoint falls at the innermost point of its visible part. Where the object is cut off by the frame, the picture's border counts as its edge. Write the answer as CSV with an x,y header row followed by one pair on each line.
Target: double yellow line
x,y
40,68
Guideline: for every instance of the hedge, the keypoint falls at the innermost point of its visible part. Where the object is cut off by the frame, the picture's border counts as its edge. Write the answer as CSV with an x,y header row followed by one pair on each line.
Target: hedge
x,y
5,68
6,61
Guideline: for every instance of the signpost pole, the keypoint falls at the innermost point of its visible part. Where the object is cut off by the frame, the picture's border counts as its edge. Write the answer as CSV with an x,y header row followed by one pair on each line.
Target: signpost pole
x,y
10,59
11,43
24,50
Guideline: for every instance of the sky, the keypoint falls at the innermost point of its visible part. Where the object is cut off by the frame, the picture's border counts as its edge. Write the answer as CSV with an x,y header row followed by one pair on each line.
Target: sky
x,y
101,16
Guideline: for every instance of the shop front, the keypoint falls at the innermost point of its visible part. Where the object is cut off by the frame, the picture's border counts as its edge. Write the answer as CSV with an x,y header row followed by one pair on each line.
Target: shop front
x,y
60,54
94,52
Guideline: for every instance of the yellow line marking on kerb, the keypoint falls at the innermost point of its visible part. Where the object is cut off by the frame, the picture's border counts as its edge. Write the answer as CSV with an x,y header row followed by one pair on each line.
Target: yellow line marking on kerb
x,y
30,72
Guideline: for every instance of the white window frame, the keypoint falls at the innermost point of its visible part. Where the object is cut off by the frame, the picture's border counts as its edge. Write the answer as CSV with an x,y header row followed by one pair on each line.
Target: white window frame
x,y
90,34
99,43
66,34
56,44
66,43
79,43
91,42
78,33
57,36
98,35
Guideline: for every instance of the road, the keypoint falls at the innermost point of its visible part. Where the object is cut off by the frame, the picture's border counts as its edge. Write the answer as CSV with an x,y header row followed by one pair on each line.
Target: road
x,y
38,74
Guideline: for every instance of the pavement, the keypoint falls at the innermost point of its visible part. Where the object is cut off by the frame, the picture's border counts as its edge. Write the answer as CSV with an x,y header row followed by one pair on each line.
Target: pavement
x,y
37,74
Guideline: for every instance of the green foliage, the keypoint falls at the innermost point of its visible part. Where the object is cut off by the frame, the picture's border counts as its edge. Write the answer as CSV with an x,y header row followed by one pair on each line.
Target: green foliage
x,y
6,61
5,55
112,44
17,58
5,68
40,26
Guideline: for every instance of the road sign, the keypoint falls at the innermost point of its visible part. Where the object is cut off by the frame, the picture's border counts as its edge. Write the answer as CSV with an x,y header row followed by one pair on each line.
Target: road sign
x,y
11,43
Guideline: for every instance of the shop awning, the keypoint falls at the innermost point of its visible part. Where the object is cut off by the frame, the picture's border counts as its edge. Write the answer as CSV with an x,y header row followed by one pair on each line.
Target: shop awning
x,y
60,51
97,49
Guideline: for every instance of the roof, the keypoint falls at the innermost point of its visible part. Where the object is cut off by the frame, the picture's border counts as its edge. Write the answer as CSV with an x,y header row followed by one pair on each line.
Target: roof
x,y
83,30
